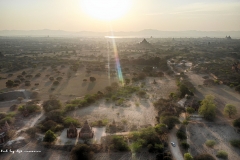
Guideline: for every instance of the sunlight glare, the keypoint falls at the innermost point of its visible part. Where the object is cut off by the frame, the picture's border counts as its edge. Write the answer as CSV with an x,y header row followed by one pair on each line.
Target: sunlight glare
x,y
106,9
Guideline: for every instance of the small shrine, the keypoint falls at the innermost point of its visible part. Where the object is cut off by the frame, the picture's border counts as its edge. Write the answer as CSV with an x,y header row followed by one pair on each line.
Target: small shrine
x,y
72,131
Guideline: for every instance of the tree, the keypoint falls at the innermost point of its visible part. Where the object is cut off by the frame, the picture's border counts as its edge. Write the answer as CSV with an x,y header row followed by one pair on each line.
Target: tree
x,y
236,123
185,145
49,136
188,156
181,135
92,79
210,143
184,90
9,83
237,88
51,104
170,121
235,143
222,154
55,83
230,110
190,110
81,151
24,73
208,107
161,129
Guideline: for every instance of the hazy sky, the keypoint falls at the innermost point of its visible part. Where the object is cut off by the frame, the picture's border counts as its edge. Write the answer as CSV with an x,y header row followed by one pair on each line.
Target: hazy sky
x,y
167,15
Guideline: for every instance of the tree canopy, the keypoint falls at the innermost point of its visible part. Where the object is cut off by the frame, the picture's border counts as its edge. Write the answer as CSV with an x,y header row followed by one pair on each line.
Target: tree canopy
x,y
51,104
49,136
236,123
230,110
81,151
208,107
188,156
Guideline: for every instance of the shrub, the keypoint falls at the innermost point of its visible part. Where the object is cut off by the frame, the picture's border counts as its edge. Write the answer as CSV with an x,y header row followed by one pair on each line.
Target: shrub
x,y
236,123
210,143
136,146
24,73
237,88
51,78
9,83
49,136
55,83
118,143
120,101
185,145
51,105
55,115
235,143
15,84
68,120
38,75
230,110
29,76
222,154
81,151
181,135
70,107
59,78
92,79
188,156
170,121
17,81
27,83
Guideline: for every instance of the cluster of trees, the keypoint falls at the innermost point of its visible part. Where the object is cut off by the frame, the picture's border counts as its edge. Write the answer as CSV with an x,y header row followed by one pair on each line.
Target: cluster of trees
x,y
82,151
30,107
168,112
117,94
148,137
56,118
223,71
9,117
185,88
208,108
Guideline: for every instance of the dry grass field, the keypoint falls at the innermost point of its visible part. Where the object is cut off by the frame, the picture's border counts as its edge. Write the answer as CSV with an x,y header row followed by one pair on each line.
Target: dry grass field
x,y
137,111
221,133
67,89
221,130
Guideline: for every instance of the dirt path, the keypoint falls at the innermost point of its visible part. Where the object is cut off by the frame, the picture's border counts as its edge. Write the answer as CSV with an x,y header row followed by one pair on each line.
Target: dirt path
x,y
176,152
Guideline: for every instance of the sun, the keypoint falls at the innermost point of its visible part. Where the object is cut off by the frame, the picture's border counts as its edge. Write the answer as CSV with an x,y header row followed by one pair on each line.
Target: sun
x,y
106,9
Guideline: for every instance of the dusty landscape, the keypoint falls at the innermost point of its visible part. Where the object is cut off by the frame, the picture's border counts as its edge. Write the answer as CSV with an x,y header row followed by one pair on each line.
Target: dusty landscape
x,y
119,98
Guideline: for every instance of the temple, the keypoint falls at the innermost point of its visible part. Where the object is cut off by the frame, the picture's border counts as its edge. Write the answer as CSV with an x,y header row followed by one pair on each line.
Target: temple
x,y
144,44
72,131
86,131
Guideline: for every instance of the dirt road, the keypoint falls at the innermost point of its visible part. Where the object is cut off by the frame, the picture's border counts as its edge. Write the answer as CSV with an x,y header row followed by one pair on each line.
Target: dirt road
x,y
176,153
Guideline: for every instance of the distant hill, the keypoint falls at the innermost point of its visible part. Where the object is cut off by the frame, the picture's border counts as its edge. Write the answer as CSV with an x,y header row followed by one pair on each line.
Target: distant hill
x,y
142,33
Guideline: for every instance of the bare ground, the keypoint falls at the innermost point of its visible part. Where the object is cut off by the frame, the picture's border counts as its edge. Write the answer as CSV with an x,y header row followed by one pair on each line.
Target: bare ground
x,y
141,115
